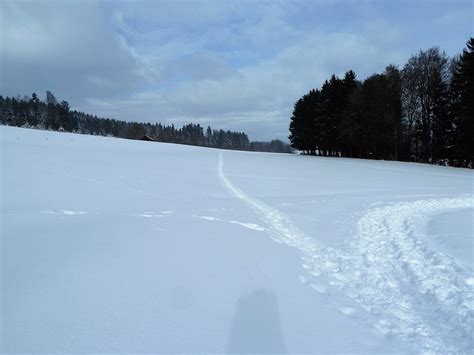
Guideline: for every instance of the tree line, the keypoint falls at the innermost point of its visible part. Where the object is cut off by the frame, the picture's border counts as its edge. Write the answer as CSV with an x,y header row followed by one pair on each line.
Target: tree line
x,y
423,112
57,116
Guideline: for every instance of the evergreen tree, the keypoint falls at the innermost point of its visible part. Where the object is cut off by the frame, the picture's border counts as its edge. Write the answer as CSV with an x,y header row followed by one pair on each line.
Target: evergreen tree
x,y
209,139
63,112
298,127
305,124
462,93
333,100
352,128
34,104
50,99
441,144
350,85
394,83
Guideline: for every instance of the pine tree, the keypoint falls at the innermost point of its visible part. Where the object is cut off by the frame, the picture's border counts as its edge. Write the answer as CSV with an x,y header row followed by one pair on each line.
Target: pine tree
x,y
462,93
298,130
50,99
441,121
394,82
34,104
209,140
350,85
376,124
305,126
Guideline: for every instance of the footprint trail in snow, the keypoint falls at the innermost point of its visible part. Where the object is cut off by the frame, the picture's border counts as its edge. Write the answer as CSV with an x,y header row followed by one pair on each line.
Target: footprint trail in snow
x,y
419,294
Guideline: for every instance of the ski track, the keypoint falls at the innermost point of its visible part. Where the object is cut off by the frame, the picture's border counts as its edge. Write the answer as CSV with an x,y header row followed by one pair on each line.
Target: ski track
x,y
419,294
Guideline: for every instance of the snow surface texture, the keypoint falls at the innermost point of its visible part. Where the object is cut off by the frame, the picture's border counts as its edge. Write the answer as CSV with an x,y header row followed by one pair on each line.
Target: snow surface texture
x,y
116,245
390,271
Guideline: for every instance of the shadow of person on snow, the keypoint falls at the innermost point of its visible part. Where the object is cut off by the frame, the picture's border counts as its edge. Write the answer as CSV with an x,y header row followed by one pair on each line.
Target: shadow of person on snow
x,y
256,325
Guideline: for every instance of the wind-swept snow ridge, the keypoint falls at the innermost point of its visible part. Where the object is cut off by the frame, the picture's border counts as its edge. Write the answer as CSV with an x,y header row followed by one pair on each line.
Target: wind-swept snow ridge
x,y
418,294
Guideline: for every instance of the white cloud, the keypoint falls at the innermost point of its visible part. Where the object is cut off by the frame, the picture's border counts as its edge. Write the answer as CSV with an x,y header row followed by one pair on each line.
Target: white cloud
x,y
66,47
232,64
261,93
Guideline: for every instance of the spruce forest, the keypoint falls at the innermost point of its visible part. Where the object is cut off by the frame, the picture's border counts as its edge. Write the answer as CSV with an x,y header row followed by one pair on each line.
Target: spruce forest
x,y
31,112
422,113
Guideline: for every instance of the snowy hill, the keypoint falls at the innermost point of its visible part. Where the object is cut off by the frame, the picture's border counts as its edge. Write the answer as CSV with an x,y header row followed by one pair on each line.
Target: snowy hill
x,y
110,245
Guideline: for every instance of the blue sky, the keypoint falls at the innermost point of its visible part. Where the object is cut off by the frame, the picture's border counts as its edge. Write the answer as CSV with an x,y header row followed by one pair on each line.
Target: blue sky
x,y
236,65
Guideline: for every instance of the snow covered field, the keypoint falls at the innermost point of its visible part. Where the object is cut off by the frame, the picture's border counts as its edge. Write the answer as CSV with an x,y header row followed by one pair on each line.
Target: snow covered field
x,y
112,245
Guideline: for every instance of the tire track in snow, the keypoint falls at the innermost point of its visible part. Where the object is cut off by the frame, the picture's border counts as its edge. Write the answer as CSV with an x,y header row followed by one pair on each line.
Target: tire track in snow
x,y
422,296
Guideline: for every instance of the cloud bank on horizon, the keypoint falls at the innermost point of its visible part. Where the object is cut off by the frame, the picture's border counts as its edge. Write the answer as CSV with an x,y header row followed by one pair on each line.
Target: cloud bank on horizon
x,y
236,65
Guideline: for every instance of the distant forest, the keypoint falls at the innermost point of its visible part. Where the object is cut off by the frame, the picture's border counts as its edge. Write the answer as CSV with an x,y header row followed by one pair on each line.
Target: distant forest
x,y
50,114
423,113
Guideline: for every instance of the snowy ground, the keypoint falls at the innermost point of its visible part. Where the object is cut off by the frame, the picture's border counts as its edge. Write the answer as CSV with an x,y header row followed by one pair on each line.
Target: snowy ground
x,y
111,245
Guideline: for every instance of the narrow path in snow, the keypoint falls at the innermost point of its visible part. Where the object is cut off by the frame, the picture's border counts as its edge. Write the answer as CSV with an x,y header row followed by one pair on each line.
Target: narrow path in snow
x,y
421,295
427,294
